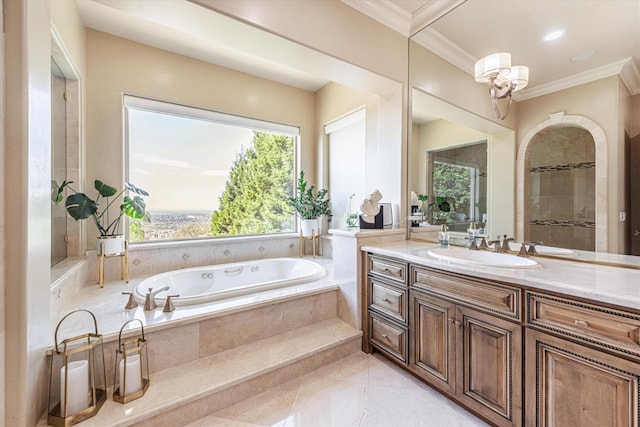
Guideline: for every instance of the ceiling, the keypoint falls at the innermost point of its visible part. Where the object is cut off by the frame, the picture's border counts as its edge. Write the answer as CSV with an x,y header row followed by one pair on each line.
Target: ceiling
x,y
464,31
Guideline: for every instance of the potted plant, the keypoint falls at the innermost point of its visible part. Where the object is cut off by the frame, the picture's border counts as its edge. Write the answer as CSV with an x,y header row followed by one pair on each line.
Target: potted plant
x,y
80,206
441,207
309,206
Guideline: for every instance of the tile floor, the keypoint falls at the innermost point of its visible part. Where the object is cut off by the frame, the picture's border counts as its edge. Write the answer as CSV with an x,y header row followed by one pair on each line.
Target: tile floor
x,y
360,390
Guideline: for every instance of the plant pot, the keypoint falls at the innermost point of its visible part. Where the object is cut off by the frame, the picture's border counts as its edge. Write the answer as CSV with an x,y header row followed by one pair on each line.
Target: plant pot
x,y
112,244
309,226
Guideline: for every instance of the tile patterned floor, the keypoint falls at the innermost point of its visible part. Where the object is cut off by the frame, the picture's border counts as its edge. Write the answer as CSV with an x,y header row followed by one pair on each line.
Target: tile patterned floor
x,y
360,390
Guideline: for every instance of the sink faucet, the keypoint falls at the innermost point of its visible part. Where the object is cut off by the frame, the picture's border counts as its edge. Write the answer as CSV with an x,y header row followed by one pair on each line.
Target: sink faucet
x,y
505,243
150,298
496,245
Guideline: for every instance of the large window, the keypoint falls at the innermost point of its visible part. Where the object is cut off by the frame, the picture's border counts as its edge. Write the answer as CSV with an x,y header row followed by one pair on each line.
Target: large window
x,y
208,174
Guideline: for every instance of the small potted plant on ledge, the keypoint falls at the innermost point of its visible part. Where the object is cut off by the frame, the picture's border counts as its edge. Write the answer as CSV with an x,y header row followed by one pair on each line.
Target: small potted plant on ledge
x,y
309,206
80,206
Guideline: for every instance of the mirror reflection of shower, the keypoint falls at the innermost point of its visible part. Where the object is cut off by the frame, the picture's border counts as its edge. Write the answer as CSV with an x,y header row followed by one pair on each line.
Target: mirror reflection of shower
x,y
459,175
58,160
562,188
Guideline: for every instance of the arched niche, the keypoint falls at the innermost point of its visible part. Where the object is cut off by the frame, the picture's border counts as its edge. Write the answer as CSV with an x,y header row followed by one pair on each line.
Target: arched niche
x,y
522,168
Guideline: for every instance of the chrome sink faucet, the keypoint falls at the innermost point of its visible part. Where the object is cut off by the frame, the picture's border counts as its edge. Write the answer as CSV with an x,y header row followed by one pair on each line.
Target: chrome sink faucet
x,y
150,298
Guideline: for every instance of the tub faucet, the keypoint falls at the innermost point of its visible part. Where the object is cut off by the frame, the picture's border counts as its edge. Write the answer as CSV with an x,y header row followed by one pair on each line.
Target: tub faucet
x,y
150,298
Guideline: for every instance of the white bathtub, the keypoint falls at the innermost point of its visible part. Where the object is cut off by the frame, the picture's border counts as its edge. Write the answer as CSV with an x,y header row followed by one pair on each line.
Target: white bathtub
x,y
202,284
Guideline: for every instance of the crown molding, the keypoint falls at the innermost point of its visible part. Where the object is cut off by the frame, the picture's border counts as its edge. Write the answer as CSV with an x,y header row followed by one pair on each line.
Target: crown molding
x,y
613,69
430,12
630,76
388,13
443,47
384,11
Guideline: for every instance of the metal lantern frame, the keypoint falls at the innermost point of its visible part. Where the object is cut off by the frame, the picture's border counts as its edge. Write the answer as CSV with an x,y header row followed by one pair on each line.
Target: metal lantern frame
x,y
66,352
127,349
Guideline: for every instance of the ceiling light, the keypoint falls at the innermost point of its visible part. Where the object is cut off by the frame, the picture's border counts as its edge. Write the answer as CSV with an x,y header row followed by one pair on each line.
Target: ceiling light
x,y
583,55
553,35
503,79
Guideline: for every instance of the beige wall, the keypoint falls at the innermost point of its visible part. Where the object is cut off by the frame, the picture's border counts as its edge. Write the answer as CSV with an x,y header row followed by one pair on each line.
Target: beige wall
x,y
328,26
117,66
27,162
2,220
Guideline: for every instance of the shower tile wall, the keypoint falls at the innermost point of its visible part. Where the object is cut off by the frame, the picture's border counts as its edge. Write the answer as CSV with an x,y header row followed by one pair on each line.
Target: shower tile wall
x,y
562,182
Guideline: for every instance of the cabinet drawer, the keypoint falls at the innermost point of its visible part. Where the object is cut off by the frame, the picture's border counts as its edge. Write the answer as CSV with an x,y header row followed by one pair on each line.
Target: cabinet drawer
x,y
481,294
390,269
602,326
388,337
388,299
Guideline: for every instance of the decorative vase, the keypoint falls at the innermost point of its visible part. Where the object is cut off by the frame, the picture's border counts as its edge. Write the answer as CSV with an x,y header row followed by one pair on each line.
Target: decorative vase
x,y
111,245
310,227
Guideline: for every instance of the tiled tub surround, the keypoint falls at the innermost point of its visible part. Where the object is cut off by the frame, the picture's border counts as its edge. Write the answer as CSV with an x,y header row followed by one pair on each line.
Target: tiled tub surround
x,y
205,357
71,275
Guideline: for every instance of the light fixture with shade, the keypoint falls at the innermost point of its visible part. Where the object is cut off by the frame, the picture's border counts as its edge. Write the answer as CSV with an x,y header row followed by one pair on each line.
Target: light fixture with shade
x,y
503,79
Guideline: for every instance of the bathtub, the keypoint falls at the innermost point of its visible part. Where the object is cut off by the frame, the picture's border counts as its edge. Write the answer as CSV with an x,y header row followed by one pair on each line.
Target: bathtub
x,y
203,284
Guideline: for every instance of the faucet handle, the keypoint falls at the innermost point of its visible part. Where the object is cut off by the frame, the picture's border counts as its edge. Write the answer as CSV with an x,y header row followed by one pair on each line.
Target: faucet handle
x,y
523,251
532,247
131,303
168,305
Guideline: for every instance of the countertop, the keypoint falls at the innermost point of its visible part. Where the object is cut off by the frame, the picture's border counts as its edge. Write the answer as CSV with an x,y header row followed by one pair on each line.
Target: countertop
x,y
600,283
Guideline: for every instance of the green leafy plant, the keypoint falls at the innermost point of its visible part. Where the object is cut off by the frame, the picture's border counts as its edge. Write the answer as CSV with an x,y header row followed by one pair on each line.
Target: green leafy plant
x,y
424,208
351,218
80,206
442,206
307,203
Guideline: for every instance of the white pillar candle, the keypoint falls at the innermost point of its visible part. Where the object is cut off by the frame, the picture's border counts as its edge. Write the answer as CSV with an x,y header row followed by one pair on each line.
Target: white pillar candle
x,y
132,375
77,387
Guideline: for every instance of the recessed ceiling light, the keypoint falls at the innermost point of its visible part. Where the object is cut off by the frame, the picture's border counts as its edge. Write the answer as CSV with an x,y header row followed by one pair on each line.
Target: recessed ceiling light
x,y
582,56
553,35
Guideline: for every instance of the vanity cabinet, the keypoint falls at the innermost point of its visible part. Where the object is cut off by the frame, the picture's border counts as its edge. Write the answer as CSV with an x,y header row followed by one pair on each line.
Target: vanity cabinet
x,y
512,354
461,346
387,307
571,383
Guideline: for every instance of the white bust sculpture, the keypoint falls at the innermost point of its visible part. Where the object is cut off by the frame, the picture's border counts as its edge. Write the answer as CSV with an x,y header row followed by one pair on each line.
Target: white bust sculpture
x,y
370,207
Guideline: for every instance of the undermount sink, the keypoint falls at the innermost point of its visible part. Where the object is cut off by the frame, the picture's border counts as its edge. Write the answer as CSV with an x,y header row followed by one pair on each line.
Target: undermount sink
x,y
485,258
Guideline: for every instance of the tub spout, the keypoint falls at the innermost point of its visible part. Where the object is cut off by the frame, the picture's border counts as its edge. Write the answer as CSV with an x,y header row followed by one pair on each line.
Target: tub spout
x,y
150,298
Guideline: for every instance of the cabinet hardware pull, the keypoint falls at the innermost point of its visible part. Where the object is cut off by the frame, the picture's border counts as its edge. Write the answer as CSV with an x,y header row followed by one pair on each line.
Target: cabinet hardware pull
x,y
582,323
384,336
385,299
396,272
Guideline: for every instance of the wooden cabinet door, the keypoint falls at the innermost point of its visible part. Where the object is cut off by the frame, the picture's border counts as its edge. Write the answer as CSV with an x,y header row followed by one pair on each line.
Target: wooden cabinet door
x,y
432,349
571,385
489,366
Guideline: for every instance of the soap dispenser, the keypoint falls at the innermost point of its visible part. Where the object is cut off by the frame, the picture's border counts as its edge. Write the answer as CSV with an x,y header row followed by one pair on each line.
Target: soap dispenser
x,y
443,237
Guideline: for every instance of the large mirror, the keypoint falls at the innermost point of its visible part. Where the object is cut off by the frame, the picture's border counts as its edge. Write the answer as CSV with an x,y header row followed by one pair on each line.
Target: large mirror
x,y
582,81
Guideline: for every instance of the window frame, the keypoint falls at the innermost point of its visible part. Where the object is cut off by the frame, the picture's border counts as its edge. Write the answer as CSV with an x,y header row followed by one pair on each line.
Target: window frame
x,y
142,103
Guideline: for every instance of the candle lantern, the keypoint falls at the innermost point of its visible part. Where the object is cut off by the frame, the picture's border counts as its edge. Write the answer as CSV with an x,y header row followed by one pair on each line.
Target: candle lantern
x,y
131,374
77,386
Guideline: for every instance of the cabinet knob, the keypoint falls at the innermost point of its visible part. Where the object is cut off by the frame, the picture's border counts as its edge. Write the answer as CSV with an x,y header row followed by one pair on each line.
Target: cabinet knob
x,y
384,336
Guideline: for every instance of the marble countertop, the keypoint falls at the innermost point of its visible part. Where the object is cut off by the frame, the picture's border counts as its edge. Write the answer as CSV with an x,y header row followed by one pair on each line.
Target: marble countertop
x,y
601,283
